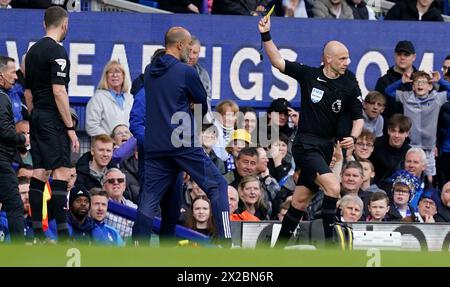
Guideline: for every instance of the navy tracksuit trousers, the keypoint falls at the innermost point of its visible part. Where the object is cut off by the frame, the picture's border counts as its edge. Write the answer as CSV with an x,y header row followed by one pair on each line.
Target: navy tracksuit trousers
x,y
160,174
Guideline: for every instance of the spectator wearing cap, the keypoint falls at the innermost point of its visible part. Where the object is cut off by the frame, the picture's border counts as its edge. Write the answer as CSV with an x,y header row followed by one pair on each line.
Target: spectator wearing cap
x,y
427,207
404,57
79,223
443,206
225,121
403,189
278,118
240,138
415,10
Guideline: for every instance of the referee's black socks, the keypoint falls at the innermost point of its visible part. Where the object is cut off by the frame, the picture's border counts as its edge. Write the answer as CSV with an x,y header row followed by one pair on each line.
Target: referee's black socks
x,y
36,194
288,225
328,215
59,207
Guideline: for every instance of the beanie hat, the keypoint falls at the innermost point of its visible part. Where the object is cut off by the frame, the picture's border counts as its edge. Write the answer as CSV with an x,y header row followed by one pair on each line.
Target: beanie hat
x,y
76,192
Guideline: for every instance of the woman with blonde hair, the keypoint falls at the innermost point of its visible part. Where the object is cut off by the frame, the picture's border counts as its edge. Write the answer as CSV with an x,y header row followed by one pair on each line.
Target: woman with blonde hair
x,y
111,103
251,197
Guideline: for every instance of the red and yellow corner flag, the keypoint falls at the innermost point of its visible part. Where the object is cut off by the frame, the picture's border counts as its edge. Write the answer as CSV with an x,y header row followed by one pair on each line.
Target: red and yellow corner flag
x,y
46,196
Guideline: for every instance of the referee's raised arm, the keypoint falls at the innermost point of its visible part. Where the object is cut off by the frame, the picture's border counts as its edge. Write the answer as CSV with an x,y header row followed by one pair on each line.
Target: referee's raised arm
x,y
269,46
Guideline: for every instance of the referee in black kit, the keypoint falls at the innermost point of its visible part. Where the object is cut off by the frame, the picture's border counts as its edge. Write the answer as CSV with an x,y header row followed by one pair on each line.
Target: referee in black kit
x,y
329,94
52,132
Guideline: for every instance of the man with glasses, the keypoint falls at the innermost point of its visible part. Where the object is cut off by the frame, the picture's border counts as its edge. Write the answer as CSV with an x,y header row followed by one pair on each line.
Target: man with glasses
x,y
114,183
363,146
404,56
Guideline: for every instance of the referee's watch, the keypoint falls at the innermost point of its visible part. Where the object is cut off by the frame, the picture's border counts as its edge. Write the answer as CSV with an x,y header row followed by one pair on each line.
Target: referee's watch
x,y
72,128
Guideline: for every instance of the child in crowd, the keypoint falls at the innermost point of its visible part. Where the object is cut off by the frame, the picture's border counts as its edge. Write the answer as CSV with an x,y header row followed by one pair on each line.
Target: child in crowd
x,y
422,106
373,106
378,206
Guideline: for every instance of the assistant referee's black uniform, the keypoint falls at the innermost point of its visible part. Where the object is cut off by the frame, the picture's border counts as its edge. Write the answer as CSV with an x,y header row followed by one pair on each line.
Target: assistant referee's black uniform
x,y
47,63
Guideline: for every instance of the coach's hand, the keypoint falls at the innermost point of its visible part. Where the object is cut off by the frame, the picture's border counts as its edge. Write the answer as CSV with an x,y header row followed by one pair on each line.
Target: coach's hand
x,y
74,139
347,143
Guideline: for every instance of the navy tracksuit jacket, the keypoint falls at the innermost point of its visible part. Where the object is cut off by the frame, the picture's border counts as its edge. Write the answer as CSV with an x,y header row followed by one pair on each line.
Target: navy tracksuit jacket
x,y
170,87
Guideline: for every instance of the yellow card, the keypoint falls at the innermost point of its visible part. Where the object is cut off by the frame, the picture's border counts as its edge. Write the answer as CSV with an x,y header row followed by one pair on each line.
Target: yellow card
x,y
270,12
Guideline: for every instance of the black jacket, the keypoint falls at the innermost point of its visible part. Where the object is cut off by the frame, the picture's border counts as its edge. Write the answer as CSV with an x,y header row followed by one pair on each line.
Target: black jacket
x,y
235,7
443,214
9,139
84,176
443,124
387,159
406,10
394,215
359,10
131,170
392,106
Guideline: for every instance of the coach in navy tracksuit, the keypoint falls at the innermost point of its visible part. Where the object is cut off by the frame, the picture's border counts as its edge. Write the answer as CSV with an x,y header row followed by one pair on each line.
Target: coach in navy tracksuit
x,y
170,88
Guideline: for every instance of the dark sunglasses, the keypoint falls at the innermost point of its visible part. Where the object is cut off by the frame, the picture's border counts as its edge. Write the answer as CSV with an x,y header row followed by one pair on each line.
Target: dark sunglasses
x,y
114,180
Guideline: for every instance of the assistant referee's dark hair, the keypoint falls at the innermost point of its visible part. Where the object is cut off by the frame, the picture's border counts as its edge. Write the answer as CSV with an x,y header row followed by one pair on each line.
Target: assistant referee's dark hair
x,y
54,16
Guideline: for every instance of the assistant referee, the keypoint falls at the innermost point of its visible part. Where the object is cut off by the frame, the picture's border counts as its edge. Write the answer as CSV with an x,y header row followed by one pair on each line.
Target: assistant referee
x,y
329,94
52,132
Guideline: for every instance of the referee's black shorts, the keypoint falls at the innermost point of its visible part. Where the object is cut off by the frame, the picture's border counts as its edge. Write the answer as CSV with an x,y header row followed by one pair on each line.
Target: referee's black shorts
x,y
50,144
312,155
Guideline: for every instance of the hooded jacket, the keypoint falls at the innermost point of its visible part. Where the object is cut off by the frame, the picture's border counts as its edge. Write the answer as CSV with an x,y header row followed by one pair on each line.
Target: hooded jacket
x,y
392,106
322,9
170,88
9,139
407,10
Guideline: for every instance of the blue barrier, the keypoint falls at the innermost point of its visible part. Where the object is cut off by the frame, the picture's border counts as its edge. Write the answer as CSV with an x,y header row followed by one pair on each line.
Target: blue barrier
x,y
180,231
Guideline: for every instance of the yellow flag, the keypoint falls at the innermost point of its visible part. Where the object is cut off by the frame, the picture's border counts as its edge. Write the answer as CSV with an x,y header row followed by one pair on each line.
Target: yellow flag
x,y
46,196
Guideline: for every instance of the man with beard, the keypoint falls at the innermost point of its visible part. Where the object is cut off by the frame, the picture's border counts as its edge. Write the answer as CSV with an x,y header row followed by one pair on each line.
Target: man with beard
x,y
171,90
52,132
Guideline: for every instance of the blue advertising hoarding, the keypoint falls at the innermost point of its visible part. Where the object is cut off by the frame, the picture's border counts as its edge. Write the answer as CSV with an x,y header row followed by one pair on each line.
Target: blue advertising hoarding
x,y
230,48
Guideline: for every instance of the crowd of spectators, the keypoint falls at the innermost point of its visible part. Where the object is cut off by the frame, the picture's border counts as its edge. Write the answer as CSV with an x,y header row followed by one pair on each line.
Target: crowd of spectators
x,y
398,171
